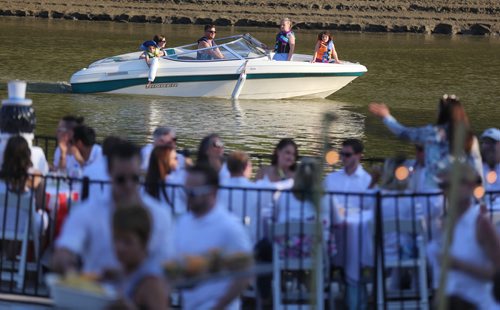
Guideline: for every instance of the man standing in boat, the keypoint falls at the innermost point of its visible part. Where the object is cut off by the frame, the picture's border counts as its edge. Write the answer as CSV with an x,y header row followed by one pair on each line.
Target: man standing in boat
x,y
207,41
285,41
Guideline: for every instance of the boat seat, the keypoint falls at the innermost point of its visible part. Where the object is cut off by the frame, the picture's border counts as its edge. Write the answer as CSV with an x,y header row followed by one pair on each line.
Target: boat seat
x,y
170,53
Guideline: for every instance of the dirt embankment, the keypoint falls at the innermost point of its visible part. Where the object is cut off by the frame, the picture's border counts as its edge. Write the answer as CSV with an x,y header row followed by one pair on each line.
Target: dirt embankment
x,y
477,17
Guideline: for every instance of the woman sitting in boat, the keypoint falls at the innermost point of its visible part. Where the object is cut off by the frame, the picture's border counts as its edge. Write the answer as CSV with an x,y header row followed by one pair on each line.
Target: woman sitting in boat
x,y
325,49
160,42
151,56
207,41
285,42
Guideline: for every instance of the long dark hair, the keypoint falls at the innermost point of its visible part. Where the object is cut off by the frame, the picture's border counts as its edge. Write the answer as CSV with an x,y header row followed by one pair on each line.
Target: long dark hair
x,y
158,170
202,157
16,162
281,145
452,113
322,33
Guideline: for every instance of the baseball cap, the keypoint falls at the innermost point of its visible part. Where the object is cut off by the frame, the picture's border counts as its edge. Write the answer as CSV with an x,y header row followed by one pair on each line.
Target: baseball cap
x,y
492,133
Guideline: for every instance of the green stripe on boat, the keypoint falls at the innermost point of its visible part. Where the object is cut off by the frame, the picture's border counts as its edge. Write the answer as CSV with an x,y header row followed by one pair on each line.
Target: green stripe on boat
x,y
105,86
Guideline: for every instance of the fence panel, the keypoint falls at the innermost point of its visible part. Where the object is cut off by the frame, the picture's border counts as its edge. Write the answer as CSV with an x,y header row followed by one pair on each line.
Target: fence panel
x,y
373,243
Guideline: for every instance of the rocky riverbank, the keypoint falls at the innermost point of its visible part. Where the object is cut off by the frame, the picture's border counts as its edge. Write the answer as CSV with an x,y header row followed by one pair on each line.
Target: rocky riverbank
x,y
476,17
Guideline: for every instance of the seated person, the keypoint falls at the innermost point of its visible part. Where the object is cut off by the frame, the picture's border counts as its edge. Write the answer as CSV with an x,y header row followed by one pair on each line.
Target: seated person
x,y
64,140
208,41
325,49
17,177
87,231
207,227
160,42
84,151
151,55
239,196
142,285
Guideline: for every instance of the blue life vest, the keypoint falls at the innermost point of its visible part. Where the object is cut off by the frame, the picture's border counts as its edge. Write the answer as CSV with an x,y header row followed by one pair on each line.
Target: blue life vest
x,y
328,52
282,42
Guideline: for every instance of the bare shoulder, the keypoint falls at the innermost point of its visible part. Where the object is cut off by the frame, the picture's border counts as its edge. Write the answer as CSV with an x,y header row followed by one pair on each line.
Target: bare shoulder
x,y
262,172
35,179
203,44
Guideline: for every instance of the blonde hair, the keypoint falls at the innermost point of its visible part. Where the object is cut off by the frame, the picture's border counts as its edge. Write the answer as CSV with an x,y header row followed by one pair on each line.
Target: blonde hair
x,y
307,182
286,20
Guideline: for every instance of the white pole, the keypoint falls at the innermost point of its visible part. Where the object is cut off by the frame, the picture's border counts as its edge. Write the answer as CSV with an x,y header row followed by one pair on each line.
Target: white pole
x,y
241,81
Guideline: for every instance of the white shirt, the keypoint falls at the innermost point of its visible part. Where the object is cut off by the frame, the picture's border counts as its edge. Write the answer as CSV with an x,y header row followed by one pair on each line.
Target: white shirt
x,y
146,154
243,203
291,209
175,191
88,232
224,173
401,208
495,186
492,200
72,165
197,236
466,248
340,181
97,171
39,161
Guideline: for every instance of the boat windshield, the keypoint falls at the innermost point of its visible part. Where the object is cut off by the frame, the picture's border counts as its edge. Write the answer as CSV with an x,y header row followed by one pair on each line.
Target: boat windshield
x,y
231,48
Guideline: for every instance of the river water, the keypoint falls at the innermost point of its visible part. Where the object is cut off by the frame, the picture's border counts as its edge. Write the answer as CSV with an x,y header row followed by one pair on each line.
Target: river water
x,y
408,72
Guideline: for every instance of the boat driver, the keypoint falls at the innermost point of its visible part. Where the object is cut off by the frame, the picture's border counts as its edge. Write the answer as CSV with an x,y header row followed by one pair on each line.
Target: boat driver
x,y
208,41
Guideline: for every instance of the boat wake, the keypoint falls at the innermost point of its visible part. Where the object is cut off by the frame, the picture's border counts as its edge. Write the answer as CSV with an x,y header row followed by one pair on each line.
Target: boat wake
x,y
45,87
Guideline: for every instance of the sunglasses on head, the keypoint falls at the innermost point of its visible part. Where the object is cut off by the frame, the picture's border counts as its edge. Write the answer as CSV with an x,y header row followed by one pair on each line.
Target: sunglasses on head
x,y
198,190
122,179
218,144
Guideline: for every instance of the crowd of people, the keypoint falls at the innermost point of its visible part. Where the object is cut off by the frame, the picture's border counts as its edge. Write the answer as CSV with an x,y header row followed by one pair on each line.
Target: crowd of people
x,y
158,204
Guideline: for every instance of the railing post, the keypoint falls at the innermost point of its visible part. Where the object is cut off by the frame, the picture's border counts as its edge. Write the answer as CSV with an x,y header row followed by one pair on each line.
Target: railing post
x,y
85,188
379,255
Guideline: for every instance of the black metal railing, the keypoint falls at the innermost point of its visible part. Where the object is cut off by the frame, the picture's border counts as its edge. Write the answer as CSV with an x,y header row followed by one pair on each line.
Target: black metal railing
x,y
49,144
369,238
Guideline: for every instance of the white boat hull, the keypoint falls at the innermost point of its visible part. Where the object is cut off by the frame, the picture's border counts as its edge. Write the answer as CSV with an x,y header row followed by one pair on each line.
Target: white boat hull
x,y
265,78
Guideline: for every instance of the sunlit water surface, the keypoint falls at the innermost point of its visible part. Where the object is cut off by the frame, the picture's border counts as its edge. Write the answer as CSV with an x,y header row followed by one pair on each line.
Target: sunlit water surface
x,y
409,72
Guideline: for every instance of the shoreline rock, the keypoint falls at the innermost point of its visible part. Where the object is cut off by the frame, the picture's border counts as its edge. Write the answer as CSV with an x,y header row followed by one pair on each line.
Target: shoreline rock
x,y
448,17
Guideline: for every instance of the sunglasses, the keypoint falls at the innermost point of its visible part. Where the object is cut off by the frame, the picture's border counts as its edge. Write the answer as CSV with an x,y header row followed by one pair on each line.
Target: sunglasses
x,y
212,31
346,154
218,144
122,179
198,190
163,41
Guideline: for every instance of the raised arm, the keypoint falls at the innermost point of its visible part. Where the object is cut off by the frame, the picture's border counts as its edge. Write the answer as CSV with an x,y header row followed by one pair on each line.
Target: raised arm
x,y
407,133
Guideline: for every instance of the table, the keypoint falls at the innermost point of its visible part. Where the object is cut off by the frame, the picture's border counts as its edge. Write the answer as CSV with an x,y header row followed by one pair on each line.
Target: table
x,y
58,199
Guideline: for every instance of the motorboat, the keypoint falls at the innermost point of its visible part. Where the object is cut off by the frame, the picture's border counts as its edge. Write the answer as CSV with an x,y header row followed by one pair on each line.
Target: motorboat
x,y
244,70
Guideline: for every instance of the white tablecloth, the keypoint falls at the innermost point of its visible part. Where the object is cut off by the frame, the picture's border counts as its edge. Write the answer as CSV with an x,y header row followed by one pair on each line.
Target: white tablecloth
x,y
354,241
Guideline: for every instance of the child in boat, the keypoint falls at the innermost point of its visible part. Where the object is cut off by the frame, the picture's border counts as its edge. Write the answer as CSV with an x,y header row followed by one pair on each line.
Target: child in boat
x,y
325,49
151,55
141,284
